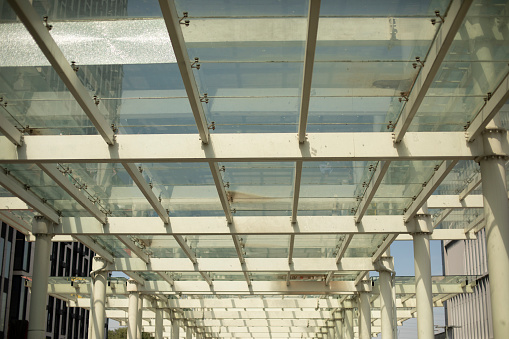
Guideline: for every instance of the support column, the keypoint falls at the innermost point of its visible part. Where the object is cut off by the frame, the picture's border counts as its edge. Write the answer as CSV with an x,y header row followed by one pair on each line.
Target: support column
x,y
175,329
159,323
348,324
338,328
39,291
132,321
385,268
331,333
139,325
189,332
364,316
423,292
496,212
97,315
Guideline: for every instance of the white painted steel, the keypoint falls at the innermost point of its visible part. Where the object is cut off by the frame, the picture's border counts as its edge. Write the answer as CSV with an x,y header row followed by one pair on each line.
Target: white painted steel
x,y
496,211
189,332
37,324
159,324
437,52
370,192
364,316
296,190
97,314
309,60
174,28
34,24
132,315
489,111
221,191
145,148
139,318
10,131
423,286
175,327
386,304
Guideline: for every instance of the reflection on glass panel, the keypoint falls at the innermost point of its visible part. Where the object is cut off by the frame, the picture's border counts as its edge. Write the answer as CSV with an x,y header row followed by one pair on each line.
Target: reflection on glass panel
x,y
316,246
266,246
162,246
362,78
364,245
87,10
351,114
243,8
212,246
462,174
463,219
374,8
361,39
113,245
259,186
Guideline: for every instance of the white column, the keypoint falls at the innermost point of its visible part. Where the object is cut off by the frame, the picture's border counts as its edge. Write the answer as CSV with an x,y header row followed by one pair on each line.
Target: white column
x,y
423,293
189,332
97,314
348,324
386,300
338,327
139,325
332,331
175,329
39,291
132,320
364,316
159,323
496,212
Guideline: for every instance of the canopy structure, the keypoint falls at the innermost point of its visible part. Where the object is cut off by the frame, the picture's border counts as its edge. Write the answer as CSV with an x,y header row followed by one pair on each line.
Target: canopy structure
x,y
256,155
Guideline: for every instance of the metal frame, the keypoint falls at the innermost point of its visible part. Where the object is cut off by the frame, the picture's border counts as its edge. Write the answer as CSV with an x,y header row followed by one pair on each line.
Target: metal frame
x,y
443,40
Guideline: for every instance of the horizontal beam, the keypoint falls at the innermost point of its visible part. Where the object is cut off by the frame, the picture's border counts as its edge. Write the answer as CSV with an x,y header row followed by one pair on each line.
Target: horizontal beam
x,y
145,148
34,24
299,265
219,287
241,225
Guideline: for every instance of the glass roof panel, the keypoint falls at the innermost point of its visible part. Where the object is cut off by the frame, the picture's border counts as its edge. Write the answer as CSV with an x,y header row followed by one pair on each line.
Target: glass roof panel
x,y
212,246
364,245
316,246
375,8
266,246
162,246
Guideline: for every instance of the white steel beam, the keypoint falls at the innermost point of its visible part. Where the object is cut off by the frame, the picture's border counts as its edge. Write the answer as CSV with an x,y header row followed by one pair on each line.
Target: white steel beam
x,y
472,185
240,253
438,201
275,265
476,225
130,244
221,191
32,21
24,193
12,204
136,277
173,26
98,249
145,188
309,61
52,171
291,246
370,192
443,170
489,110
262,147
443,40
296,189
186,248
243,225
166,277
10,131
220,287
443,234
15,222
384,246
360,277
342,249
441,217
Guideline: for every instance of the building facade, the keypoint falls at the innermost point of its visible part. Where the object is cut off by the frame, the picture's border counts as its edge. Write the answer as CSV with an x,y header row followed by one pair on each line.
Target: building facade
x,y
16,259
468,316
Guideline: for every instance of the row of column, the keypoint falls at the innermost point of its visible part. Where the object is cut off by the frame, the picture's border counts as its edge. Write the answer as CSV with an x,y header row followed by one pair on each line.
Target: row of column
x,y
496,211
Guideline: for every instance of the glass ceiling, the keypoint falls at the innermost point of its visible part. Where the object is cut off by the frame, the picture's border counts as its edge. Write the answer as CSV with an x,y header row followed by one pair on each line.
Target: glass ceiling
x,y
247,75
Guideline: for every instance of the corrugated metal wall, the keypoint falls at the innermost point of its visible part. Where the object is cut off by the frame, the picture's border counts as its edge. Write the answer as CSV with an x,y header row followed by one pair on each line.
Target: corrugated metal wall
x,y
470,313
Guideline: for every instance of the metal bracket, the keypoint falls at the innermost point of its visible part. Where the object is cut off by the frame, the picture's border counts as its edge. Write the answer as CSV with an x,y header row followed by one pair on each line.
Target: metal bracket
x,y
48,26
419,62
204,98
184,20
404,96
196,64
74,67
438,15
